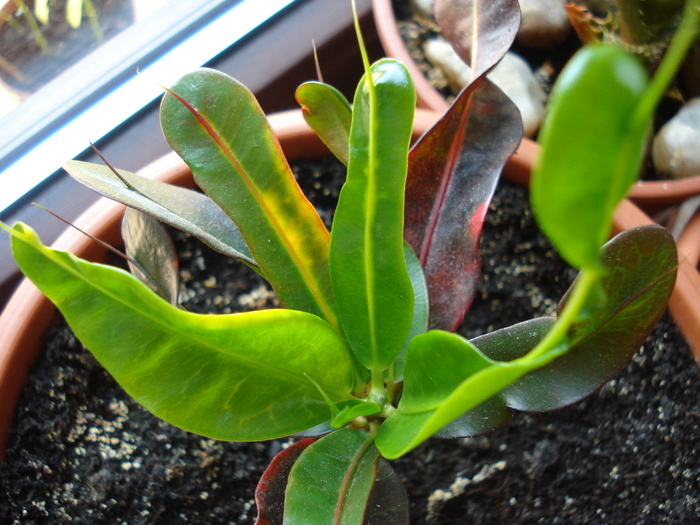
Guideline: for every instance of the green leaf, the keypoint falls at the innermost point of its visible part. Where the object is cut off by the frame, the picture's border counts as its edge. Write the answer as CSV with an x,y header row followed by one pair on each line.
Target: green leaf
x,y
591,150
445,376
240,377
421,310
216,125
354,409
185,209
41,11
74,13
367,264
332,480
152,255
269,494
329,114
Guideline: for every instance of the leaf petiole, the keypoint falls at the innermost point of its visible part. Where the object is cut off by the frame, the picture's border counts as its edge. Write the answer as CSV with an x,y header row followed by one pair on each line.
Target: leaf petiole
x,y
557,336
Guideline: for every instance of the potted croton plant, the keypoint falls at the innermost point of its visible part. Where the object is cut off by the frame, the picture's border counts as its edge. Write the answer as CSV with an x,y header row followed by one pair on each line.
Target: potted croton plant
x,y
362,355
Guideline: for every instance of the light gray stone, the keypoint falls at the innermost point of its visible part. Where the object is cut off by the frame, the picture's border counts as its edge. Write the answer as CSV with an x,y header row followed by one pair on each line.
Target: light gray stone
x,y
423,11
545,23
513,75
676,149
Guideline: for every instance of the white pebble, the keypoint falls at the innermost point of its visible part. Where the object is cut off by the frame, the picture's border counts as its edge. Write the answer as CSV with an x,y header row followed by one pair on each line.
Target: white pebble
x,y
545,23
676,149
513,75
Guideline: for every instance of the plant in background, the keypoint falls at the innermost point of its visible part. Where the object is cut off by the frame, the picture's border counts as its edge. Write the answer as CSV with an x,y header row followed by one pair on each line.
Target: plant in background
x,y
643,27
362,353
73,15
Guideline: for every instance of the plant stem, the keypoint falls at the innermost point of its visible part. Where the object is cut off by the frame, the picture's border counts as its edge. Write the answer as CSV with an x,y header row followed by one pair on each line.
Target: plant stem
x,y
557,336
391,383
647,21
680,43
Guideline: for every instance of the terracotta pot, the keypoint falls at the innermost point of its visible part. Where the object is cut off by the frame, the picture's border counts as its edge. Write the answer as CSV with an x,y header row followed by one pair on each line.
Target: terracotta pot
x,y
651,196
29,313
685,302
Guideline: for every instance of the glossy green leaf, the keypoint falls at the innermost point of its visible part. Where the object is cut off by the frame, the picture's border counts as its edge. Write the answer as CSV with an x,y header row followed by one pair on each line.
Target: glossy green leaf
x,y
240,377
591,150
367,264
481,31
328,113
421,307
352,410
453,172
151,254
387,504
185,209
444,377
332,480
211,119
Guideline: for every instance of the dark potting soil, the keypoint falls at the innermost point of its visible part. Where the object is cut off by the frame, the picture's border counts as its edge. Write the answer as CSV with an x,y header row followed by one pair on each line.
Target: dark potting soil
x,y
84,452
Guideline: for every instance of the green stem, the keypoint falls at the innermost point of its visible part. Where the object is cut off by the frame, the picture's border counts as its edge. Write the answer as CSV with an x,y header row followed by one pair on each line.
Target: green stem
x,y
680,43
391,383
647,21
377,384
574,306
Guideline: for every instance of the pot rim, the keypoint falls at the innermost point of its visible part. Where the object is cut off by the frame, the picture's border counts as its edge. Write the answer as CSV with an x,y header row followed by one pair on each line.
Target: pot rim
x,y
651,196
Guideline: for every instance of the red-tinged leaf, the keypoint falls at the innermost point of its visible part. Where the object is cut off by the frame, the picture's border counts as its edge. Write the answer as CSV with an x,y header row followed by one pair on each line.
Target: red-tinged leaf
x,y
481,31
387,504
453,172
269,494
209,119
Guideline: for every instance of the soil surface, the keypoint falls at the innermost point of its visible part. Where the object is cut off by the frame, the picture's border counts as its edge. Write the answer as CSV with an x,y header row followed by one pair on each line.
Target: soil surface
x,y
83,452
30,67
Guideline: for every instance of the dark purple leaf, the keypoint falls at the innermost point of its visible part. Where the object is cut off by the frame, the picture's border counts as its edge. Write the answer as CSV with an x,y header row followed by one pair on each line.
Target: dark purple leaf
x,y
388,501
481,31
453,171
151,254
641,267
269,494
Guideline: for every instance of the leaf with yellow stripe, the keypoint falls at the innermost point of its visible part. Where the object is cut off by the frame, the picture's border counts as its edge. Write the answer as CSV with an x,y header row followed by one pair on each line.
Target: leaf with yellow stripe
x,y
216,125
